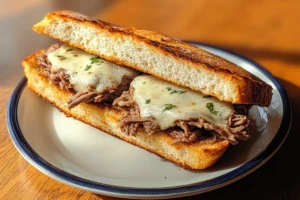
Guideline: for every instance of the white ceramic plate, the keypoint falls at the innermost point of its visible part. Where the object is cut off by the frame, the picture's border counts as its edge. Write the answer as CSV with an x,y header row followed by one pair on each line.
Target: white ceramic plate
x,y
81,156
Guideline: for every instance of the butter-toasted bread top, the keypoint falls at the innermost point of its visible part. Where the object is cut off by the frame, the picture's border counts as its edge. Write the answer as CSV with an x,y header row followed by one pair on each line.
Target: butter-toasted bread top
x,y
159,55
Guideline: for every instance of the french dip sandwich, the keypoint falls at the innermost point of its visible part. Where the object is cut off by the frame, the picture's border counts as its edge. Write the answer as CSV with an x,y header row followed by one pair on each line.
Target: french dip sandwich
x,y
163,95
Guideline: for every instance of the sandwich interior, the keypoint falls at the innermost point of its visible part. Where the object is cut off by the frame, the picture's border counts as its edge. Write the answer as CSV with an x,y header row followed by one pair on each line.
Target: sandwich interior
x,y
183,126
146,102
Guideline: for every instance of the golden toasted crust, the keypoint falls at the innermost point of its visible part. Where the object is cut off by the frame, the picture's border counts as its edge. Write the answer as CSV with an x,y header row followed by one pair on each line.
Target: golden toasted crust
x,y
246,88
197,156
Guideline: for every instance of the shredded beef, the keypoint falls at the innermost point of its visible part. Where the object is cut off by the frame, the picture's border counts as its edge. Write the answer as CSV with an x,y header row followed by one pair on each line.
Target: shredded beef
x,y
90,95
132,116
61,78
184,135
188,131
124,100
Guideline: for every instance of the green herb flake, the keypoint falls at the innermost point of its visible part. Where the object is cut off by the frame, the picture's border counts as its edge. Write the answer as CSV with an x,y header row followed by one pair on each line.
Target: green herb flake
x,y
210,107
95,59
169,88
61,57
207,96
144,82
177,91
168,107
87,67
75,55
148,101
69,49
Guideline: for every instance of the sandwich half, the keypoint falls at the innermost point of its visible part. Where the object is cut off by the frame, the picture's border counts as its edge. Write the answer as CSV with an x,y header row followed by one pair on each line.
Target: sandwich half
x,y
163,95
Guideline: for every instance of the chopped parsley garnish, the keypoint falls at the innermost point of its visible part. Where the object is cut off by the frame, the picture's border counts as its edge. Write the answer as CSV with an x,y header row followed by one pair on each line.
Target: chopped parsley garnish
x,y
87,67
61,57
168,107
210,107
69,50
95,59
148,101
207,96
169,88
144,82
75,55
177,91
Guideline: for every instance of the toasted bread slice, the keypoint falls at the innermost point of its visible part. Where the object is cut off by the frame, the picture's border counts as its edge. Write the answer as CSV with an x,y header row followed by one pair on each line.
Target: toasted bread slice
x,y
158,55
195,156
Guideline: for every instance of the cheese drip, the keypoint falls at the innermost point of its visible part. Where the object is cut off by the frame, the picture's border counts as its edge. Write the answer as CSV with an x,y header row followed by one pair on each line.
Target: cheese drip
x,y
87,70
168,103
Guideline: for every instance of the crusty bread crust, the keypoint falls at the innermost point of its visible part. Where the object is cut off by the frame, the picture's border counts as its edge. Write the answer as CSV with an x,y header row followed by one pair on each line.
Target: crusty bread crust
x,y
158,55
195,156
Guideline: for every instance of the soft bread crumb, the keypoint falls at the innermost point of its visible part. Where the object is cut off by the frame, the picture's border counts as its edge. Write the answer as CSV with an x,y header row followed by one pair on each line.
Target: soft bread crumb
x,y
158,55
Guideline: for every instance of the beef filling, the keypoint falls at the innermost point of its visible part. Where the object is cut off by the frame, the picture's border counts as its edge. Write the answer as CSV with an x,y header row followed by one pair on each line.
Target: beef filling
x,y
61,78
188,131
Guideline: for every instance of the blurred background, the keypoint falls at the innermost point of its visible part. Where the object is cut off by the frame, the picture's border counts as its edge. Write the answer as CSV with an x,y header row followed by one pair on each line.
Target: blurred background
x,y
266,31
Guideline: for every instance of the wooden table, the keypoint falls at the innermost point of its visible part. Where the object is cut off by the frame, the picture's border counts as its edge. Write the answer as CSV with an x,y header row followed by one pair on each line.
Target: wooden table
x,y
266,31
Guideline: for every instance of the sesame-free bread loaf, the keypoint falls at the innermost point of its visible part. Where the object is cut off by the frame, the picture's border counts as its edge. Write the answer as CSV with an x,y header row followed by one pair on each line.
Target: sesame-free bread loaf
x,y
161,56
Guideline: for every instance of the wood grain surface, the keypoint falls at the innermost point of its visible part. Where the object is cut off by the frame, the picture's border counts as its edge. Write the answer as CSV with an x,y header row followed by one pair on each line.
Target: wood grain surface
x,y
266,31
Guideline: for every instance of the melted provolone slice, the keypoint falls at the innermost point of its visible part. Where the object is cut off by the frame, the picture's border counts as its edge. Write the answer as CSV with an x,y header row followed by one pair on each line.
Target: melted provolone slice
x,y
168,103
86,70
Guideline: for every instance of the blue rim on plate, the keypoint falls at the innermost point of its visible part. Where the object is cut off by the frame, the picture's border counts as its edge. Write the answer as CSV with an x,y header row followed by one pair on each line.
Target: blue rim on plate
x,y
25,149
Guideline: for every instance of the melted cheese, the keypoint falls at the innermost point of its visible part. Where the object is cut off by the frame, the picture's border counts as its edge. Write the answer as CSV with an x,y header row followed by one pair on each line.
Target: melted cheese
x,y
84,73
168,103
